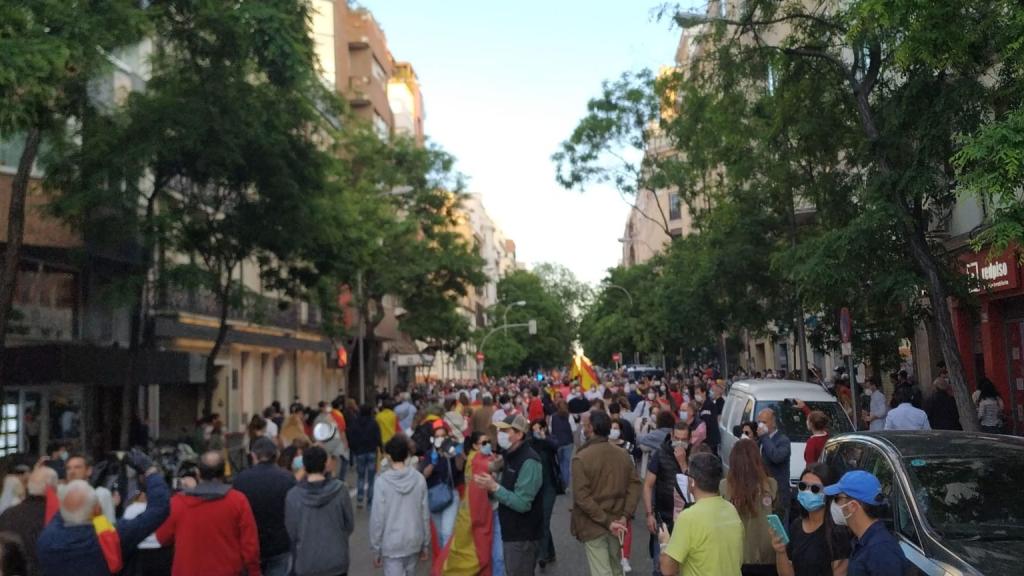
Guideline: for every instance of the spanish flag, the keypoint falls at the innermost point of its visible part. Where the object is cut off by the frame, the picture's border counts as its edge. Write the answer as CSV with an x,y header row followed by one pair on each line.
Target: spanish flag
x,y
110,543
583,371
469,551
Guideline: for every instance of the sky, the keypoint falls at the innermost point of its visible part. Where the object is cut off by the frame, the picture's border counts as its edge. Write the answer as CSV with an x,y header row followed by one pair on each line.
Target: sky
x,y
504,83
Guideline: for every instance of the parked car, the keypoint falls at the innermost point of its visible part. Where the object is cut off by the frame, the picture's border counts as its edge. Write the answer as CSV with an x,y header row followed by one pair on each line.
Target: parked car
x,y
639,372
954,498
746,398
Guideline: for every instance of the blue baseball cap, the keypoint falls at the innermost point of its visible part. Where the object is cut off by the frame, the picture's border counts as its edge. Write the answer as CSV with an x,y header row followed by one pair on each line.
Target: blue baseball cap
x,y
859,485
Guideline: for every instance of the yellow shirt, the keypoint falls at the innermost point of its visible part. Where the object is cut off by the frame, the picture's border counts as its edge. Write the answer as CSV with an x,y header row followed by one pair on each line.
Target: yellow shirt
x,y
707,539
387,421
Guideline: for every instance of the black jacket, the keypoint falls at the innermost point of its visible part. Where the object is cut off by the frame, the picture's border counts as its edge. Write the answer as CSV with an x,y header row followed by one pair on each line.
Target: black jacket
x,y
26,520
363,435
266,486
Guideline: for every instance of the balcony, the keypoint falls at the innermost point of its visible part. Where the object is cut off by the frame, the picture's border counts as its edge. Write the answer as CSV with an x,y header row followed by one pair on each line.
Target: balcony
x,y
359,90
257,309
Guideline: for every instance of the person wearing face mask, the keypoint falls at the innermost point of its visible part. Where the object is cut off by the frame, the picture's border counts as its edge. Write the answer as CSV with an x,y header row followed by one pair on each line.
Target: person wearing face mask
x,y
857,502
472,549
551,486
439,468
709,416
642,412
698,429
628,434
817,546
605,492
661,482
520,503
775,451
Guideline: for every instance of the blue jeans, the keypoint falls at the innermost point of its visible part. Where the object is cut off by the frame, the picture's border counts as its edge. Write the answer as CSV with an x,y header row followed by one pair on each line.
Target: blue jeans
x,y
276,565
366,469
497,551
565,464
444,521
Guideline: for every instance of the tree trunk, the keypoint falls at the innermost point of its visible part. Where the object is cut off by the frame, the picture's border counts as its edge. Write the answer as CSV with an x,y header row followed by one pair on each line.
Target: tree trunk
x,y
15,237
224,299
129,388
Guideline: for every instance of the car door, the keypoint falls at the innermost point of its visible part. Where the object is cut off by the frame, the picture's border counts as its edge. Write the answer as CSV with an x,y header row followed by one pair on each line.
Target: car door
x,y
739,407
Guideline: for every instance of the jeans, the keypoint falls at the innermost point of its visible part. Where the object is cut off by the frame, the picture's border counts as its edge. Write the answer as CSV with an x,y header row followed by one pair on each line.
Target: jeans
x,y
655,547
520,558
366,469
404,566
341,469
497,552
604,555
444,521
276,565
565,464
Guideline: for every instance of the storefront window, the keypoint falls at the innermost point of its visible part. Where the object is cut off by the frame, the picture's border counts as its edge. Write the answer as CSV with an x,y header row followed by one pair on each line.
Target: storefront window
x,y
9,424
65,418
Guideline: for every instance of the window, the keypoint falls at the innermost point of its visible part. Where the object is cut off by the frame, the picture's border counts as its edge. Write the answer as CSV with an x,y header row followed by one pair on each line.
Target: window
x,y
721,8
378,71
381,126
793,423
675,207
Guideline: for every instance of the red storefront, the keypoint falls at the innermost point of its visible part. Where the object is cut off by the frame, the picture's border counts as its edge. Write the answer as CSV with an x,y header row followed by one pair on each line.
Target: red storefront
x,y
993,345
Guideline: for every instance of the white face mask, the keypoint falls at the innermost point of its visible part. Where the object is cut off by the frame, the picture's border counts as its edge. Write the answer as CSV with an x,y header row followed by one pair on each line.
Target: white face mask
x,y
615,433
438,441
504,440
684,415
651,396
838,516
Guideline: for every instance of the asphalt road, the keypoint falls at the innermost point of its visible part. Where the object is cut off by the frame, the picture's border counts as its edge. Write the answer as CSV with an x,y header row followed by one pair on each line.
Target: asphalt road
x,y
572,560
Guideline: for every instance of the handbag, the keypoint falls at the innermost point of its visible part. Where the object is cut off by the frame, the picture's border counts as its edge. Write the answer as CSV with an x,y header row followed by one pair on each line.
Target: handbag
x,y
440,496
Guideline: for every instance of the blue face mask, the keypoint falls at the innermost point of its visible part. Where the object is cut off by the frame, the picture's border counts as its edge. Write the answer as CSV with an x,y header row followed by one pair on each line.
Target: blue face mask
x,y
297,463
486,450
811,501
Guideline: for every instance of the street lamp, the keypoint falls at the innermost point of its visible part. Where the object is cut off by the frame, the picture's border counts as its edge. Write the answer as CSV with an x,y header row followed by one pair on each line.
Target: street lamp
x,y
504,317
624,291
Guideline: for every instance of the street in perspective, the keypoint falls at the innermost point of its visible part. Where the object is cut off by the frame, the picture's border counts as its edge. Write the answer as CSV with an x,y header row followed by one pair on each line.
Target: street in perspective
x,y
464,288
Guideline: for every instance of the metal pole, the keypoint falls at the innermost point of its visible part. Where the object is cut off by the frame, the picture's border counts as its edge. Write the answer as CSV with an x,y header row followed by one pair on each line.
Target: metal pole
x,y
801,332
854,393
362,335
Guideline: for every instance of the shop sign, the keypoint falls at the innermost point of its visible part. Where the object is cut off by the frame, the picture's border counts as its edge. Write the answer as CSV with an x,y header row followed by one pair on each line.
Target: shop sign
x,y
996,274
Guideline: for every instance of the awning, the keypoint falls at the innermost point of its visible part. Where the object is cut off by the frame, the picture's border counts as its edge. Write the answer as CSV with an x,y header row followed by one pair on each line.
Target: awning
x,y
77,363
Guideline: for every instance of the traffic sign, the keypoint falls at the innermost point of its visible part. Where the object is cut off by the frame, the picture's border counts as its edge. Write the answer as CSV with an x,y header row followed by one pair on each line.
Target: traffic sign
x,y
617,357
479,356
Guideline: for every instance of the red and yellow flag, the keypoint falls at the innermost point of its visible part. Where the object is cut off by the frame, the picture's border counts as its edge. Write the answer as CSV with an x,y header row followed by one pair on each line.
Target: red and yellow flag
x,y
469,551
583,371
110,543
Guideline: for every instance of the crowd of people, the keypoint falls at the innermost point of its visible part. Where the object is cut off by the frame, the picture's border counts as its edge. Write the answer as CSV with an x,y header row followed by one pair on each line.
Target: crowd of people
x,y
463,479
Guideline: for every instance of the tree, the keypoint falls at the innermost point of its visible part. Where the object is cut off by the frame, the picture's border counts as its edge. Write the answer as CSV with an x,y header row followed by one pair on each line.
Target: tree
x,y
49,51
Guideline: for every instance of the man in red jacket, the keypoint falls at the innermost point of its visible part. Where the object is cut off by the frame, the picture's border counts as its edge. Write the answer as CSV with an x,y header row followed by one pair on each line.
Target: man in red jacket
x,y
212,527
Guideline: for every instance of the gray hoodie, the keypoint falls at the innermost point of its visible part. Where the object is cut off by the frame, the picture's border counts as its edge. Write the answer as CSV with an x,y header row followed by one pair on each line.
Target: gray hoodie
x,y
318,517
399,518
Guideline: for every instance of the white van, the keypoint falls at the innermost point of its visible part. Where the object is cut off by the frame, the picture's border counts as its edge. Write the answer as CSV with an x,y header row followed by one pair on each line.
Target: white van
x,y
748,397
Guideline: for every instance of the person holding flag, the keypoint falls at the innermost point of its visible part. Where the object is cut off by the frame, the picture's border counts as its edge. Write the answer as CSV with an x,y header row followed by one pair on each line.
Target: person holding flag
x,y
471,549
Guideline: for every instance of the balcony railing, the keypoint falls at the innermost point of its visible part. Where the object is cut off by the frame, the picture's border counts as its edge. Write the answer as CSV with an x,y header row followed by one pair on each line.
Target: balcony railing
x,y
256,309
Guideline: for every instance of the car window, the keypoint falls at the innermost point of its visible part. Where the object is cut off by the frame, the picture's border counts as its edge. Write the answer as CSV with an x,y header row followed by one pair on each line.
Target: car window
x,y
904,521
748,411
976,496
793,423
849,456
880,466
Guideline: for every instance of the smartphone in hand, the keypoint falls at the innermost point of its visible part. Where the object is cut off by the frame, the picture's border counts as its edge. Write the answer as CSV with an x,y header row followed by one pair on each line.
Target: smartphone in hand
x,y
775,523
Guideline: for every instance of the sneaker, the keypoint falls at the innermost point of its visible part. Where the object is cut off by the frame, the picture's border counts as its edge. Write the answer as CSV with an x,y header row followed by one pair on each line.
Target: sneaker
x,y
626,568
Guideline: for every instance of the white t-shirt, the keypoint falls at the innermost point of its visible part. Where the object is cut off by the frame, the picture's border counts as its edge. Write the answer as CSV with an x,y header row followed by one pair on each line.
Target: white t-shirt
x,y
133,510
271,430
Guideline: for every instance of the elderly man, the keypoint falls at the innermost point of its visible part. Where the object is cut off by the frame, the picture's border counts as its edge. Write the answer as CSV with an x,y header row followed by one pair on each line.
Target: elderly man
x,y
81,541
79,467
28,518
775,451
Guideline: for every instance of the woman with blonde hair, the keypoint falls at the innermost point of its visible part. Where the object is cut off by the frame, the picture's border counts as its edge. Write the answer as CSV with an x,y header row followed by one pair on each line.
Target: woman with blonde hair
x,y
754,494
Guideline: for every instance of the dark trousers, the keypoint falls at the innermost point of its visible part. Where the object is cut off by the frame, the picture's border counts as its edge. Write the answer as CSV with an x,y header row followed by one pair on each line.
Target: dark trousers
x,y
520,557
547,543
654,547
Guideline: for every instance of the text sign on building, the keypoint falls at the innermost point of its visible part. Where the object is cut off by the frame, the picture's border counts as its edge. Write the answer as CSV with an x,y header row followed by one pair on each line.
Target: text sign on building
x,y
995,274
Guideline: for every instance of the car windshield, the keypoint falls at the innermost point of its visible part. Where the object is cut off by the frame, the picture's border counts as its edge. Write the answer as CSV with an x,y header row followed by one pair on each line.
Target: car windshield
x,y
976,497
793,423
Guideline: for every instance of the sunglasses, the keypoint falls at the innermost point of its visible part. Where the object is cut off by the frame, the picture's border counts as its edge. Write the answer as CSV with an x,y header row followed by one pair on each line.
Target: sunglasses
x,y
814,488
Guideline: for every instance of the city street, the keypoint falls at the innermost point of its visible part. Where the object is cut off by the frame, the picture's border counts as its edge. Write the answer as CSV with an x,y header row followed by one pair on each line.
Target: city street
x,y
572,560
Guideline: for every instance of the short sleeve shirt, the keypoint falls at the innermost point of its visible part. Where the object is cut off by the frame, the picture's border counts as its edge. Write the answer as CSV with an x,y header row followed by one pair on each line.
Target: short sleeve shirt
x,y
707,539
877,553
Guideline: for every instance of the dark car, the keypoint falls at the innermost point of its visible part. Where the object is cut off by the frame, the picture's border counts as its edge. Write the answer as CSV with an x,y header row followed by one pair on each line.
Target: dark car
x,y
956,499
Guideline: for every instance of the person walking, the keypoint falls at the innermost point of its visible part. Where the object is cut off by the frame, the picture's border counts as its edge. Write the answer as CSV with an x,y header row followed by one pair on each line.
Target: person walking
x,y
561,435
211,526
905,416
27,519
605,492
79,467
318,519
817,546
400,516
708,539
874,417
661,484
520,503
817,425
858,502
775,451
480,420
81,541
364,443
387,420
471,552
265,485
405,411
551,486
754,495
438,467
990,407
941,405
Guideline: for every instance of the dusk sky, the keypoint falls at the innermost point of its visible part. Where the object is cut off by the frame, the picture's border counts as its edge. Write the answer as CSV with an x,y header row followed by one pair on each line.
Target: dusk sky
x,y
504,83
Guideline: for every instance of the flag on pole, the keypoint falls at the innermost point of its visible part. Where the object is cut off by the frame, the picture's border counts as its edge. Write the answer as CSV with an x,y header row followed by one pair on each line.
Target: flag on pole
x,y
583,371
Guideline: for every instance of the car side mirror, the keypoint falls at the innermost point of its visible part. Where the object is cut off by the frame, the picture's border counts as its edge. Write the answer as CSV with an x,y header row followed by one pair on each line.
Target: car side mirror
x,y
737,431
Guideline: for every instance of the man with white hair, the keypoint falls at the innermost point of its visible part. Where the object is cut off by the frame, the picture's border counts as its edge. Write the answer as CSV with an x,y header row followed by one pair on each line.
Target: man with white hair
x,y
81,541
28,518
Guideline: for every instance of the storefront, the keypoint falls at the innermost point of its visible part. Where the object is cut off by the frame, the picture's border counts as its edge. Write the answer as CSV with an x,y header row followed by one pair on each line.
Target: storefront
x,y
992,343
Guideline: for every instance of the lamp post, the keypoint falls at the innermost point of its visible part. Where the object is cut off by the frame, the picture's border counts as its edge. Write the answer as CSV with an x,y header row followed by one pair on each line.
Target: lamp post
x,y
636,353
504,317
532,325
